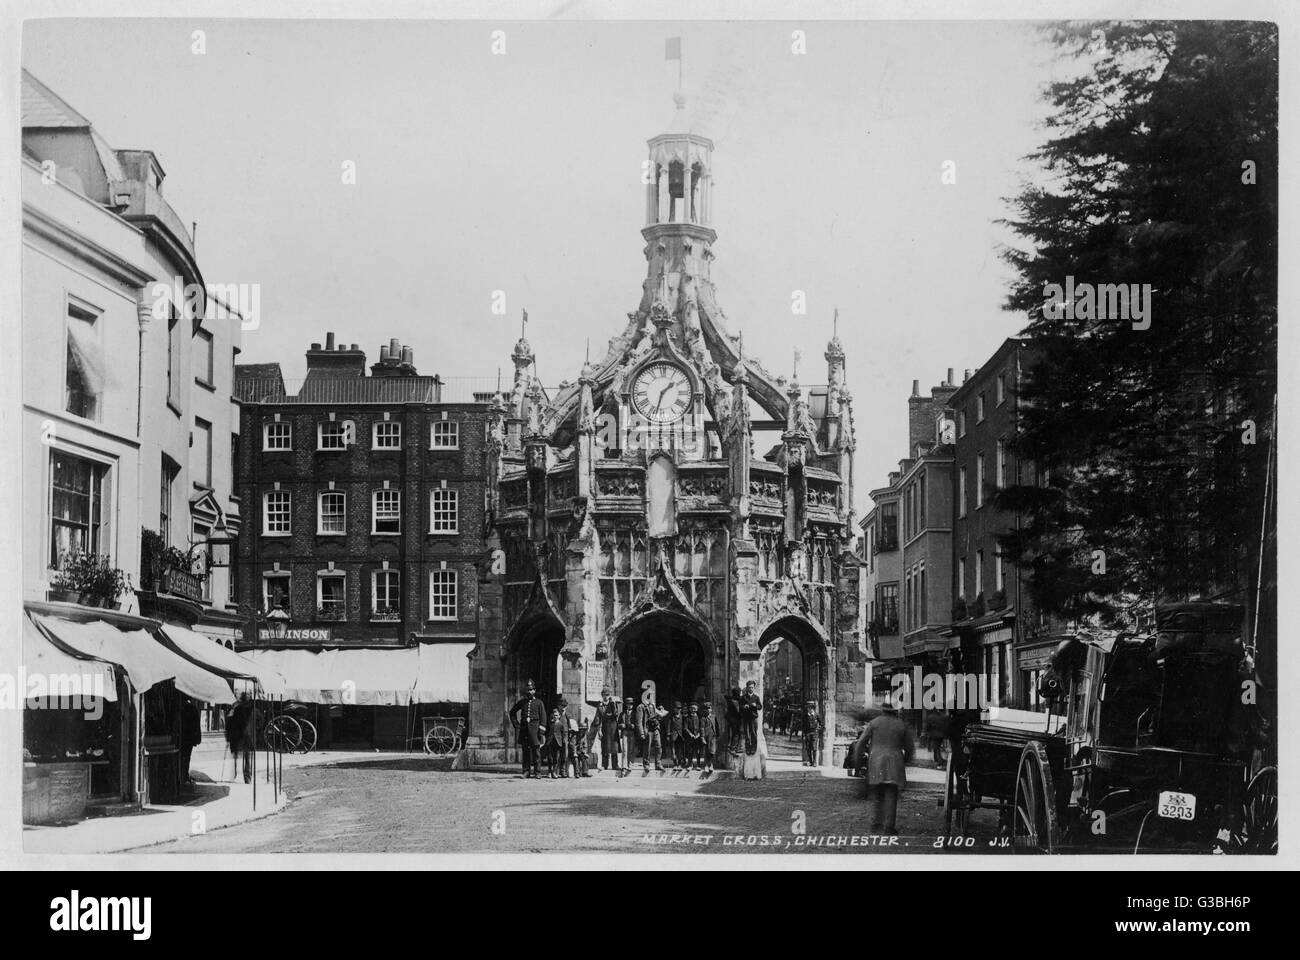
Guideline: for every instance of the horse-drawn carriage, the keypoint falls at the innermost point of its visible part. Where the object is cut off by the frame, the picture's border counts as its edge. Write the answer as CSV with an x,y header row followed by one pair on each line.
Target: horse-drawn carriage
x,y
1150,743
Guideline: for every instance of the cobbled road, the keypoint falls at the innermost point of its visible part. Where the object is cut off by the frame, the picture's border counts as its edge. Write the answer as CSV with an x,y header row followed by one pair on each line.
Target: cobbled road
x,y
410,805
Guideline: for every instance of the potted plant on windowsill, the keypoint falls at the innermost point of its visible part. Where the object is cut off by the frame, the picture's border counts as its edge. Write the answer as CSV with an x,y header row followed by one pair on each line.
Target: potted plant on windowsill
x,y
329,613
105,585
386,614
65,584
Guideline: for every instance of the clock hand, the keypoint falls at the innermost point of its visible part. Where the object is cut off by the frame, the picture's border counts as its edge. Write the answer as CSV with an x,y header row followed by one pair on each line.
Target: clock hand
x,y
662,392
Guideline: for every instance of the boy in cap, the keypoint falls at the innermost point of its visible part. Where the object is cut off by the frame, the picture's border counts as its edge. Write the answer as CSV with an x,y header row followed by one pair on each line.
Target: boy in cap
x,y
577,748
627,732
605,726
675,745
810,725
557,740
708,735
691,738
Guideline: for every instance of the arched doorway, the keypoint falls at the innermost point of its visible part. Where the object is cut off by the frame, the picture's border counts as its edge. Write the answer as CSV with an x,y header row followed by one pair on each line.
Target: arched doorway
x,y
534,655
669,651
793,666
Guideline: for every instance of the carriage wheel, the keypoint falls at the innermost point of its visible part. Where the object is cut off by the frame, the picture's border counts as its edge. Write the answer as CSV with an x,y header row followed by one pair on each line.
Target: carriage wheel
x,y
956,806
441,741
282,734
1033,813
1257,832
307,742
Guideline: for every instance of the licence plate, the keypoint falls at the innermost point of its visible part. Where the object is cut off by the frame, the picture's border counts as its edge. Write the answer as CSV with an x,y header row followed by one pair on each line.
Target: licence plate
x,y
1174,805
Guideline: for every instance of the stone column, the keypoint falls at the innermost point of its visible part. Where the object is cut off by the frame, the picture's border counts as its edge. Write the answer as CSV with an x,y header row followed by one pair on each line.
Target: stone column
x,y
489,728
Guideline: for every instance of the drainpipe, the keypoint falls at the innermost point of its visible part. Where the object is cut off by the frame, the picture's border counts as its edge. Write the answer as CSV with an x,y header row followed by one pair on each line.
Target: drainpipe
x,y
143,313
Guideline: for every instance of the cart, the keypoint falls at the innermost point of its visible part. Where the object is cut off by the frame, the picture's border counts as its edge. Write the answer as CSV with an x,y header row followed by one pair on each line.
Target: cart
x,y
1146,743
443,736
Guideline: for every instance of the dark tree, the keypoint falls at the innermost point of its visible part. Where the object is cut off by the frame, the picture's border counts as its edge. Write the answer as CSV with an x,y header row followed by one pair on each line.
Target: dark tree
x,y
1161,168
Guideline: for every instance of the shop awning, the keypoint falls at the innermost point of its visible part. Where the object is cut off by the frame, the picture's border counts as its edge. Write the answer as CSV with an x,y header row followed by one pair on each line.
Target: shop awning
x,y
51,672
372,678
222,660
144,658
443,673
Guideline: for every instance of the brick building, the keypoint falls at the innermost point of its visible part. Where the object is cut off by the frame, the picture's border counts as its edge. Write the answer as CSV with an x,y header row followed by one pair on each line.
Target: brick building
x,y
1001,636
364,512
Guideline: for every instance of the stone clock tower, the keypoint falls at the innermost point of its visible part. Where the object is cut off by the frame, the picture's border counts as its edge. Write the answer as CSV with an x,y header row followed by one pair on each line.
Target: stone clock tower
x,y
659,521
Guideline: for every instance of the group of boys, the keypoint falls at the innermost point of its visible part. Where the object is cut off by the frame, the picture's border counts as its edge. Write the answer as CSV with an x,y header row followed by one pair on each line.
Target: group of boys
x,y
688,736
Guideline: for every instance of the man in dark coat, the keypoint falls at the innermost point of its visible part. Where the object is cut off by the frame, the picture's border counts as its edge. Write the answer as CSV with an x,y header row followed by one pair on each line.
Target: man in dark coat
x,y
733,720
605,727
751,710
810,726
708,735
888,740
191,735
647,731
240,731
528,717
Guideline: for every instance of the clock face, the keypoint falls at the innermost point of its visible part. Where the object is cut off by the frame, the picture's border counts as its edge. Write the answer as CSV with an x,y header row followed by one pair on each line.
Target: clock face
x,y
661,392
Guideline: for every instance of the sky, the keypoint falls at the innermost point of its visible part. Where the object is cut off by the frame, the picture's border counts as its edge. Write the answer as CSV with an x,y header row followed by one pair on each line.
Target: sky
x,y
478,172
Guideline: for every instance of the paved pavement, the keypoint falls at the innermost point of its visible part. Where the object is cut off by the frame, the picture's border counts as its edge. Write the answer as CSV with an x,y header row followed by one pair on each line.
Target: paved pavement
x,y
391,803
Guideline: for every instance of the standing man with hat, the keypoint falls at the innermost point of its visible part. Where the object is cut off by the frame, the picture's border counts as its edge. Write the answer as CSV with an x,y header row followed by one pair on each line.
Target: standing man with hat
x,y
528,717
888,741
605,727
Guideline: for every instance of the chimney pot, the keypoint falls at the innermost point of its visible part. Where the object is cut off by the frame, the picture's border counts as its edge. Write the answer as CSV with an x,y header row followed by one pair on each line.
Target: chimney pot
x,y
329,341
315,346
965,378
950,373
356,346
394,348
383,351
916,388
408,355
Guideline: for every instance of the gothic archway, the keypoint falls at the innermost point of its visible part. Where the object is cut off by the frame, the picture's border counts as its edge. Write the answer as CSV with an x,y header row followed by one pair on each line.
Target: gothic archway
x,y
533,653
814,669
670,650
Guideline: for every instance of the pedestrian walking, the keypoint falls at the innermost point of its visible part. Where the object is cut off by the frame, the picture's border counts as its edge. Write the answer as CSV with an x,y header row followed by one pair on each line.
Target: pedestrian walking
x,y
889,745
528,717
936,731
241,729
